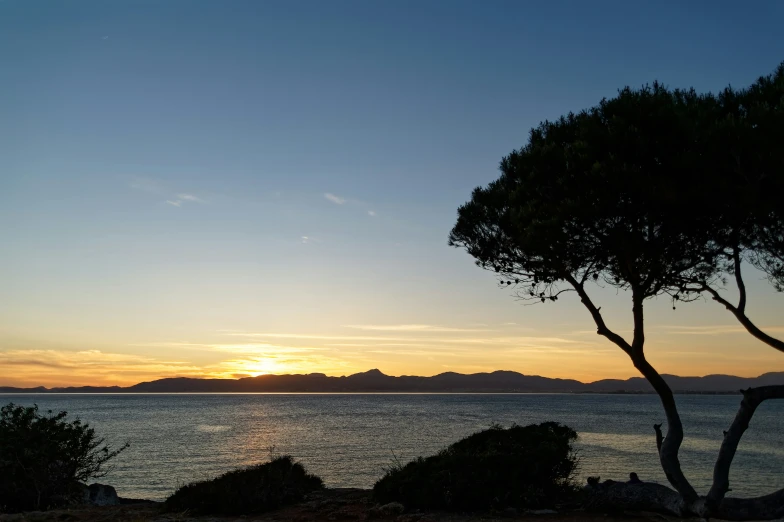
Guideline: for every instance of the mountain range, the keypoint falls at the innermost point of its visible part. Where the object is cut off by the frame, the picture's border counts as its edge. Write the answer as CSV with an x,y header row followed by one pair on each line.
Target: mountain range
x,y
374,381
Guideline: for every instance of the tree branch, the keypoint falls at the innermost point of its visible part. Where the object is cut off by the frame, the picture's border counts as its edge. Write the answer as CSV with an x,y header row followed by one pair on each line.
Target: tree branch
x,y
601,326
745,321
752,398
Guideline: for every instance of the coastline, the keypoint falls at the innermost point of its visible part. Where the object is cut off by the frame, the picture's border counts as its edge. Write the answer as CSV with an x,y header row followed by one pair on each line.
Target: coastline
x,y
329,504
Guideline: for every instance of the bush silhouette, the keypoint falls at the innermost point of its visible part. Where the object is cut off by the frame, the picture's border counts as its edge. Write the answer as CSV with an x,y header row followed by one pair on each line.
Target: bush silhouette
x,y
247,491
531,466
44,459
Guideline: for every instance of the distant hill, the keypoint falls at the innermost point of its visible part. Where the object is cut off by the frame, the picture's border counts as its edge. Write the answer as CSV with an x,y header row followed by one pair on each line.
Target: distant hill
x,y
449,382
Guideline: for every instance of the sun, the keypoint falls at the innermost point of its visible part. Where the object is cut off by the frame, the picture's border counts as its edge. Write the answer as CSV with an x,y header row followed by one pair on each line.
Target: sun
x,y
256,367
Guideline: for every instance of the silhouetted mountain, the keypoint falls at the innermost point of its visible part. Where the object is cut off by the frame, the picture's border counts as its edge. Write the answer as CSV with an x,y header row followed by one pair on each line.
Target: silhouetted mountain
x,y
709,383
449,382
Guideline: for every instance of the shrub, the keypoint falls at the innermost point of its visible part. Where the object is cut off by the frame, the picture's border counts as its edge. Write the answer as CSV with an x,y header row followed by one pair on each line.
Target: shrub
x,y
531,466
44,459
247,491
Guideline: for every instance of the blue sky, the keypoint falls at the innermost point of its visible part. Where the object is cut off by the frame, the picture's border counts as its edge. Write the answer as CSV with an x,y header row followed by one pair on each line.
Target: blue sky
x,y
175,172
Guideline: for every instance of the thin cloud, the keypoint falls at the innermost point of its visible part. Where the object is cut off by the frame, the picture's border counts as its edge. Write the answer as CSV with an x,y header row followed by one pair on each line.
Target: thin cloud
x,y
184,198
408,336
716,329
520,341
335,199
255,335
338,200
36,367
411,328
190,197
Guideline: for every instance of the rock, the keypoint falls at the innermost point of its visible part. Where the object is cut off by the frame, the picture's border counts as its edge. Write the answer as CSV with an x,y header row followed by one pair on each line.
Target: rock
x,y
101,495
617,496
393,508
541,512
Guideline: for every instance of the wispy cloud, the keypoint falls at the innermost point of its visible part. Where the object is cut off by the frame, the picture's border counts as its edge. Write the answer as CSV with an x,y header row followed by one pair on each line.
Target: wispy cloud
x,y
53,367
256,335
411,335
339,200
410,328
335,199
190,197
184,197
716,329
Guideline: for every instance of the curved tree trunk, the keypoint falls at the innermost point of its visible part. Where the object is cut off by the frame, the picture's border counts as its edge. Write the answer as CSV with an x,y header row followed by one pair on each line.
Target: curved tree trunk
x,y
715,501
669,445
684,501
769,507
658,498
661,499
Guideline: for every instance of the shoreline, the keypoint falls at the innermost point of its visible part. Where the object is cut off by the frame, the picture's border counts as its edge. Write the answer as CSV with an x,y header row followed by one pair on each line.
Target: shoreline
x,y
467,392
330,504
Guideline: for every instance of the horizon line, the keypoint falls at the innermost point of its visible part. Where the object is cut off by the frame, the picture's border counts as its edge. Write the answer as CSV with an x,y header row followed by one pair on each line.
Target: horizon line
x,y
378,372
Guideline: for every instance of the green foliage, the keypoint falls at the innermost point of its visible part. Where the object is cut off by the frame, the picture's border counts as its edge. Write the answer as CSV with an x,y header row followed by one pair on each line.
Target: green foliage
x,y
521,467
750,159
651,191
44,458
247,491
595,196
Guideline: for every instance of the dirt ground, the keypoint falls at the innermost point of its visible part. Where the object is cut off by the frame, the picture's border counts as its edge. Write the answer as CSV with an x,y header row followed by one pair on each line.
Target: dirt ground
x,y
327,505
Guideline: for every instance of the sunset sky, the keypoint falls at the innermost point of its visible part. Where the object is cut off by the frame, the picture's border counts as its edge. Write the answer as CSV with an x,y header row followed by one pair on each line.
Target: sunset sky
x,y
236,188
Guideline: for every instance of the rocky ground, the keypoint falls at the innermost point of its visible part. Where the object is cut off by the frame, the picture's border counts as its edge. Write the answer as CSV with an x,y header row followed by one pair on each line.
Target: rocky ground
x,y
326,505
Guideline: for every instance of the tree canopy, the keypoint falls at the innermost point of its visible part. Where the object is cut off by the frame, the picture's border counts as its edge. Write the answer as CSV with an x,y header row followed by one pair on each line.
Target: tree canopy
x,y
655,191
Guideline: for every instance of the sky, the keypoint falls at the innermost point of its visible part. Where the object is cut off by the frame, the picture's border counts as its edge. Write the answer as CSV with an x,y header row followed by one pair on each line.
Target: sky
x,y
193,188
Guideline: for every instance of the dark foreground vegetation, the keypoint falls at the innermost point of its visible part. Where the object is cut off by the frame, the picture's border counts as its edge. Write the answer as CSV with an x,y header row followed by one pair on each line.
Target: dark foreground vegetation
x,y
252,490
46,460
519,467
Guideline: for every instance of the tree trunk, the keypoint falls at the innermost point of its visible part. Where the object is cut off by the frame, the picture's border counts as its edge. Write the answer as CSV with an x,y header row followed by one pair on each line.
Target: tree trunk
x,y
685,501
618,496
669,445
715,501
769,507
661,499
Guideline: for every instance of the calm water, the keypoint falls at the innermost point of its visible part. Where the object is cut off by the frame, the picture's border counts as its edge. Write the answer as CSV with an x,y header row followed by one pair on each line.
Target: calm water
x,y
349,439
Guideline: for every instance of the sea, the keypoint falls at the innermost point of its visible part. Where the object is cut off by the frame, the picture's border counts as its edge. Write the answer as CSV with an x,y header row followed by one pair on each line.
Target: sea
x,y
351,439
